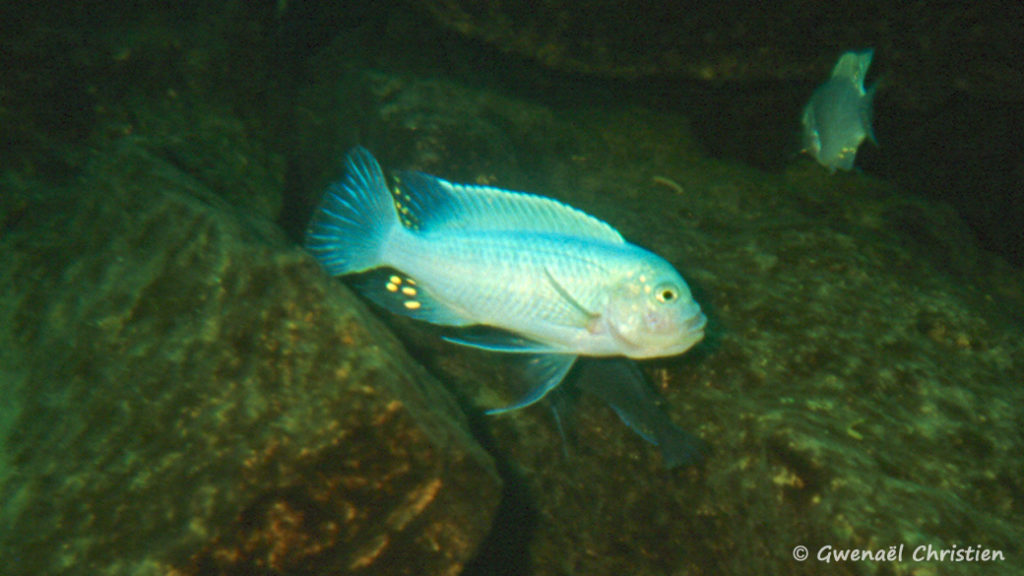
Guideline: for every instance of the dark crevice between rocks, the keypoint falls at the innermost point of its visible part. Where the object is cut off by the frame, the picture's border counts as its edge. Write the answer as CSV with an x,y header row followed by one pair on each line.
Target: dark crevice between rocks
x,y
505,551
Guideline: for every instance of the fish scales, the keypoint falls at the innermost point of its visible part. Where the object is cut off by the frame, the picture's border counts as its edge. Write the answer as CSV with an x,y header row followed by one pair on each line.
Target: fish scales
x,y
471,271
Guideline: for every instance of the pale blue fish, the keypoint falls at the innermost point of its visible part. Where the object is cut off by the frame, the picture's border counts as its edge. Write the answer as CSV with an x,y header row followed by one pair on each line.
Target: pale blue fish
x,y
838,117
556,282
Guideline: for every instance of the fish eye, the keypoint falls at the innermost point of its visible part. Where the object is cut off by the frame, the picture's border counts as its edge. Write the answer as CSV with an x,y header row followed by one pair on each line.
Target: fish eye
x,y
666,293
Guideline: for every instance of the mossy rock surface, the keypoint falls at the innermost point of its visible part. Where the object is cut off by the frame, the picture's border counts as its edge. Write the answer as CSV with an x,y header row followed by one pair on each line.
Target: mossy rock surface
x,y
187,393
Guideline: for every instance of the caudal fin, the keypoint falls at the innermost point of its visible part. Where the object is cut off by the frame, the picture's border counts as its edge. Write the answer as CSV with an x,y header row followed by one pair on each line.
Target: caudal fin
x,y
354,219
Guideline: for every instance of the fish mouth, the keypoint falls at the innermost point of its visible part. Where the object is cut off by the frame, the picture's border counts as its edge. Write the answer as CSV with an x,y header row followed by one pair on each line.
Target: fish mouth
x,y
690,332
696,323
693,332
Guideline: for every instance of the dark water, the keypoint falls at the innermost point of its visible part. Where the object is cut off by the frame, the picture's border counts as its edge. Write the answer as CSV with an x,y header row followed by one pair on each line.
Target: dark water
x,y
188,393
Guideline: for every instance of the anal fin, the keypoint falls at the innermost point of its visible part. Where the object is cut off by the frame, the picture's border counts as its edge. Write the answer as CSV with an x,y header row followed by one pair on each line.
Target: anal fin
x,y
398,293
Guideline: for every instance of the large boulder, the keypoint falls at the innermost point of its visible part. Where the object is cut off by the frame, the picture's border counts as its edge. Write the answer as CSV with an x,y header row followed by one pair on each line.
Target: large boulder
x,y
186,392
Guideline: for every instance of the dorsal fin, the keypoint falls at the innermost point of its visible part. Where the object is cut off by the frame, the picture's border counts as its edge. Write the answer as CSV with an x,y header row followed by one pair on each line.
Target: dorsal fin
x,y
427,203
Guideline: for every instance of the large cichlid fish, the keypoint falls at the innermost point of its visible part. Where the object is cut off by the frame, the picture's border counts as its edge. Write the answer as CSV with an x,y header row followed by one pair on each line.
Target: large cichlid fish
x,y
556,282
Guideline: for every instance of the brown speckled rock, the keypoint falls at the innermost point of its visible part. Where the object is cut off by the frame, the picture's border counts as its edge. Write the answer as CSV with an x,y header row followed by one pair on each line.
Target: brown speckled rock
x,y
187,393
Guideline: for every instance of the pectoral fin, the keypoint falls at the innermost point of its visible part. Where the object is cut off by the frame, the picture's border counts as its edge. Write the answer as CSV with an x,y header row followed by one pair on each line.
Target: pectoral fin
x,y
544,373
579,315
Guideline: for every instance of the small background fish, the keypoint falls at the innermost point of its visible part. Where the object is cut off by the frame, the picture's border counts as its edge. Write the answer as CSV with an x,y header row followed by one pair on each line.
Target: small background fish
x,y
838,117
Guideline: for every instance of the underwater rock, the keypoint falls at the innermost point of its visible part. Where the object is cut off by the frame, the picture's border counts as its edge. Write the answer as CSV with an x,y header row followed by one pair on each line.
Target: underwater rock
x,y
743,42
173,76
186,392
857,384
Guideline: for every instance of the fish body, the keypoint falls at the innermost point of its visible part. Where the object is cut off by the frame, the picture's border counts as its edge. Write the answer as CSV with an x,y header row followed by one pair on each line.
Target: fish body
x,y
838,117
579,296
554,282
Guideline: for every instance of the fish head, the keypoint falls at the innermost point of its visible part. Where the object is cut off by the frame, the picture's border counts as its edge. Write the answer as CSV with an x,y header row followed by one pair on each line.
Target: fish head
x,y
651,312
835,124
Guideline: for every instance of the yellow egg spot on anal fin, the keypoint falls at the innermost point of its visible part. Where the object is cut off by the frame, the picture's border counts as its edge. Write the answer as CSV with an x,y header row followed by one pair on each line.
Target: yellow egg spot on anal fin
x,y
412,305
408,291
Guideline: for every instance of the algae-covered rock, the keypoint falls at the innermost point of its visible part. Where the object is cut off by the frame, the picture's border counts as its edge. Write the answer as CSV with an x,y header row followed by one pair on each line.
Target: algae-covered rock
x,y
185,392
